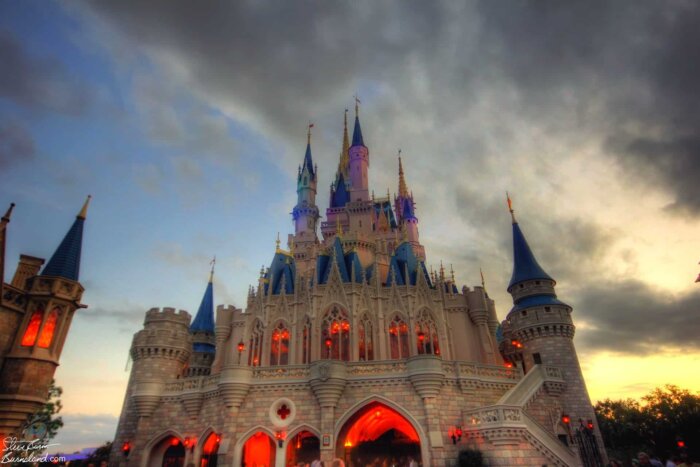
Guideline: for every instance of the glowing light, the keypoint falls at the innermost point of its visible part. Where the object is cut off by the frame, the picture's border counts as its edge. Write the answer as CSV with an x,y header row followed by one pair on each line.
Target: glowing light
x,y
348,444
374,421
565,419
241,347
174,441
329,342
509,365
680,444
32,329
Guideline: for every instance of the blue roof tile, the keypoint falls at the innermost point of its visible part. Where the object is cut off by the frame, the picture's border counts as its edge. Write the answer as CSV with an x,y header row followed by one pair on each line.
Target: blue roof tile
x,y
65,261
525,266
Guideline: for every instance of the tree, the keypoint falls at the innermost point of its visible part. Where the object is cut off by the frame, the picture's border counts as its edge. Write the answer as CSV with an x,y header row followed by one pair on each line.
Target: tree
x,y
663,418
45,417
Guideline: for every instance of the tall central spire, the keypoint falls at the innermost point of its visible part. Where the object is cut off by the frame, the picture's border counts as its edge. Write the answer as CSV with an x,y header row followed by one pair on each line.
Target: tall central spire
x,y
403,190
344,157
357,131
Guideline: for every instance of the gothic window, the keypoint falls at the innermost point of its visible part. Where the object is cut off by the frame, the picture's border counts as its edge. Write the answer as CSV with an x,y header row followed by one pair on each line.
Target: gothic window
x,y
335,335
398,338
306,342
48,330
364,332
255,346
279,345
32,331
426,335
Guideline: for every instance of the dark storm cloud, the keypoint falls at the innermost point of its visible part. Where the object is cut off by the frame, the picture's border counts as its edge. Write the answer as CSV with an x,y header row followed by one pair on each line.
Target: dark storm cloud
x,y
16,144
630,317
628,69
38,83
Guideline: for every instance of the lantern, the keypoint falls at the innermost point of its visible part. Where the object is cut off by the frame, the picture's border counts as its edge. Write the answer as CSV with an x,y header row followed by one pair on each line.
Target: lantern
x,y
126,448
565,419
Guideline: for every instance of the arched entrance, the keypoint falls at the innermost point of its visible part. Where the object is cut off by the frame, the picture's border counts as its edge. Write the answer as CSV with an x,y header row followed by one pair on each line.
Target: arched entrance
x,y
304,447
259,451
174,455
210,451
378,433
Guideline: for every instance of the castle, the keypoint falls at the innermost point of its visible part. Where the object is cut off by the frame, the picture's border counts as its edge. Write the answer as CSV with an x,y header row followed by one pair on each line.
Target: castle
x,y
350,350
36,310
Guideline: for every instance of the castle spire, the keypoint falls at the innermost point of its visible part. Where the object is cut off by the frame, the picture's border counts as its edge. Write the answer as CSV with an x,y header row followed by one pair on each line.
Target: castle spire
x,y
65,261
204,320
344,155
357,131
403,190
510,208
308,160
525,266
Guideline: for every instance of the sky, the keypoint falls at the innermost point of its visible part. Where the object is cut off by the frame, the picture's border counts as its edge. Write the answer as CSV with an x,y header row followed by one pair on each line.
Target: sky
x,y
186,123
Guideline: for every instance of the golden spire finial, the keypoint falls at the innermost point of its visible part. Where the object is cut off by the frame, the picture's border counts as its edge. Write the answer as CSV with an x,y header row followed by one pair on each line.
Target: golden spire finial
x,y
212,263
452,273
357,105
483,282
277,242
308,133
6,217
442,271
344,152
83,212
510,208
338,227
403,191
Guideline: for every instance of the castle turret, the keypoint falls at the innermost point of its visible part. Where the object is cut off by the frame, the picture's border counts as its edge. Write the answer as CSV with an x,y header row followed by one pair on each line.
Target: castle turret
x,y
359,163
305,212
202,331
539,331
406,210
37,311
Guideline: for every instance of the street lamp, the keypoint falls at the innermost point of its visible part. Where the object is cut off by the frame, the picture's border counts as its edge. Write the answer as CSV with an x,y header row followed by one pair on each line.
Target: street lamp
x,y
241,348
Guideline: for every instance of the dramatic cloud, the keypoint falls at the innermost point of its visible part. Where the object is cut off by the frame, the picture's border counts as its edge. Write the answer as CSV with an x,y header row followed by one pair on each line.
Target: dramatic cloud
x,y
631,317
39,83
16,144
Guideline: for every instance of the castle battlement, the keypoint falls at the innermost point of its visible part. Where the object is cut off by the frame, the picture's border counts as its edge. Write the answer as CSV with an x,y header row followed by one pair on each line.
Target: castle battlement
x,y
167,314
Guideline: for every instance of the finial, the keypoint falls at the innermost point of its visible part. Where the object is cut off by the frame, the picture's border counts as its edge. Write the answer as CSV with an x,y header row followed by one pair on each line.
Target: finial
x,y
277,242
483,282
452,273
7,215
338,227
442,271
357,105
308,134
345,123
83,212
212,263
510,208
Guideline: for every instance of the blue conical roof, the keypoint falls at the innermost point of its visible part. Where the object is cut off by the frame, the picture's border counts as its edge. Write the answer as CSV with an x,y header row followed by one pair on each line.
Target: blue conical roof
x,y
340,196
65,261
525,266
357,134
308,161
204,321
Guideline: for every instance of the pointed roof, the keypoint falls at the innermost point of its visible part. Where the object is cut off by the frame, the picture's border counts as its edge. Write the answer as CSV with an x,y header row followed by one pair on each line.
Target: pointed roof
x,y
357,133
204,320
308,161
343,165
525,266
65,261
340,195
403,190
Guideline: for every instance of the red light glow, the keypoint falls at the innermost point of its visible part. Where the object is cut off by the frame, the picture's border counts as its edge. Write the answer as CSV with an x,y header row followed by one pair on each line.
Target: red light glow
x,y
48,330
374,422
566,419
174,441
681,444
126,446
30,334
259,450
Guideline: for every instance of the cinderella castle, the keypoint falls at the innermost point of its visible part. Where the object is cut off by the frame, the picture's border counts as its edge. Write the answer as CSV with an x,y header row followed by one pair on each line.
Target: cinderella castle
x,y
352,352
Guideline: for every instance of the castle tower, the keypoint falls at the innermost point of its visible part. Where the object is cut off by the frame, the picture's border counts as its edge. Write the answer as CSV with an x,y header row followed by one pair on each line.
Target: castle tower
x,y
202,330
305,213
359,163
539,330
159,353
35,317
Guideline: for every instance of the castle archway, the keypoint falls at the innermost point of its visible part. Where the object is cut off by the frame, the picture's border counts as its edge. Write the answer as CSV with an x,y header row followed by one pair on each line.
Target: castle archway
x,y
165,450
303,447
259,450
378,432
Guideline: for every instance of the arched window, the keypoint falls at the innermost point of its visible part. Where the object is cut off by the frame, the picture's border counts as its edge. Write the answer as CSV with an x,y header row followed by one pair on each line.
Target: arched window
x,y
32,331
398,338
255,347
427,335
336,332
48,330
210,451
364,333
306,342
279,345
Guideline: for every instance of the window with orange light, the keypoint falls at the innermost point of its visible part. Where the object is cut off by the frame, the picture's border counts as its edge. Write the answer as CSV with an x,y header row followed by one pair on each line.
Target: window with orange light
x,y
426,335
210,451
30,334
255,347
48,330
398,338
336,327
364,333
279,345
